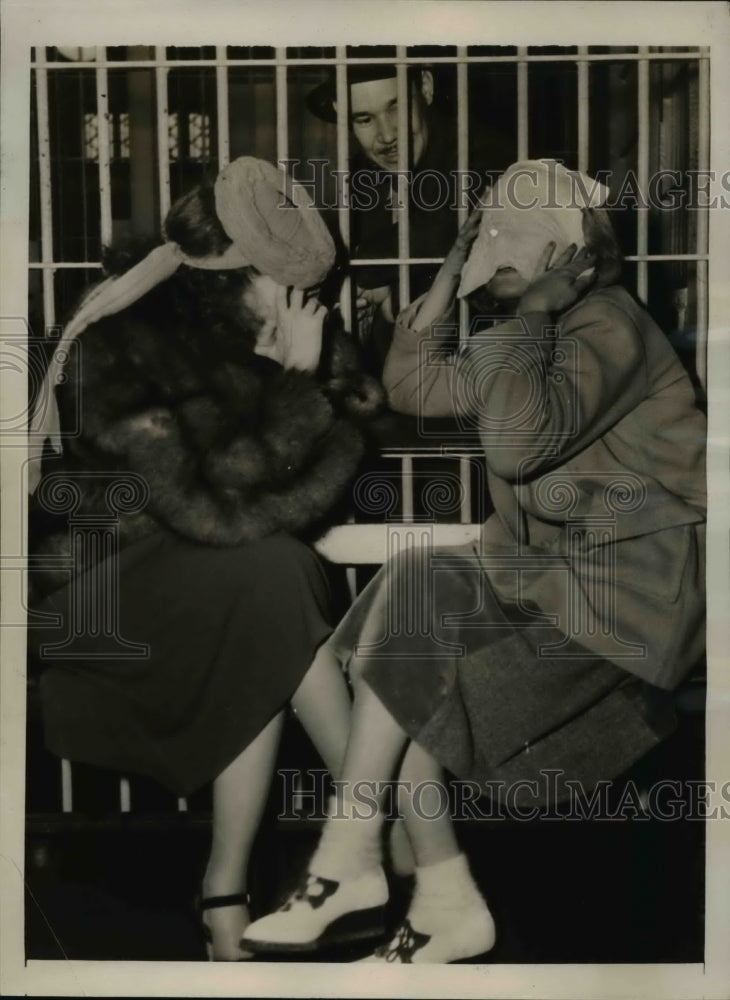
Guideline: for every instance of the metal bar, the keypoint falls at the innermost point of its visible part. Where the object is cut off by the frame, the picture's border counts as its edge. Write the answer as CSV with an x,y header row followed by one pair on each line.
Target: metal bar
x,y
163,140
53,265
407,483
221,92
703,221
465,478
343,143
67,802
583,109
104,137
404,145
342,94
282,105
351,580
462,162
63,264
182,805
362,262
125,796
642,170
46,196
380,60
522,104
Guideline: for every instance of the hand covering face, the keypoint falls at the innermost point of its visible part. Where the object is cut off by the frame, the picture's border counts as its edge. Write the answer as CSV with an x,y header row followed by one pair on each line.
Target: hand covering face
x,y
533,203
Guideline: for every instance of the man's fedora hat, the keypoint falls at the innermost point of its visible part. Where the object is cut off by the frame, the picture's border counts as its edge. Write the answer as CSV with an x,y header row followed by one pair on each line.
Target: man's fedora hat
x,y
321,100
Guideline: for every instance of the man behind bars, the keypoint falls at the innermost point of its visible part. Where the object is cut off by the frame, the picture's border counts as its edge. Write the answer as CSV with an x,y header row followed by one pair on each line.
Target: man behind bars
x,y
435,188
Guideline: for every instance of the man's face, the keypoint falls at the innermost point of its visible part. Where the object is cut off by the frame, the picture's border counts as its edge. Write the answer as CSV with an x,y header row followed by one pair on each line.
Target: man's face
x,y
374,119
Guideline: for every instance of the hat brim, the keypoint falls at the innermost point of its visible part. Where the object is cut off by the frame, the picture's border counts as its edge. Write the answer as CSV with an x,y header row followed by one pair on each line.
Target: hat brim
x,y
321,102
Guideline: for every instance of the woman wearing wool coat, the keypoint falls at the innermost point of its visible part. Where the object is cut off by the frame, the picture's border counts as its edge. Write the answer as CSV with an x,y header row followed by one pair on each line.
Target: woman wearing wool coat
x,y
205,387
550,645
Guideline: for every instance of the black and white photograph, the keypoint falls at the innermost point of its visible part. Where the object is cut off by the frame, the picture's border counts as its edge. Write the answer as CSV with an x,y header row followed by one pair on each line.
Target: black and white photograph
x,y
365,486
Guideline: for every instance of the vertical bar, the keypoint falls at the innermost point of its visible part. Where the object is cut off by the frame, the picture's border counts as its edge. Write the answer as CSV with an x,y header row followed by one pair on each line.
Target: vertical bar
x,y
221,92
66,787
342,94
642,219
103,131
462,162
163,141
125,797
703,157
522,104
404,145
351,578
46,195
343,141
182,805
583,109
282,107
141,88
465,478
406,466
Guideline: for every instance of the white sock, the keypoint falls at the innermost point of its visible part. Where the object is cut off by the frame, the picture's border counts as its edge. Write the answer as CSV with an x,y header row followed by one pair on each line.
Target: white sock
x,y
444,892
350,842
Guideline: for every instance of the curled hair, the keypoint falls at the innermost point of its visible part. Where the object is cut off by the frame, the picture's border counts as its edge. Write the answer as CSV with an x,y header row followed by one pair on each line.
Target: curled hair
x,y
192,223
203,303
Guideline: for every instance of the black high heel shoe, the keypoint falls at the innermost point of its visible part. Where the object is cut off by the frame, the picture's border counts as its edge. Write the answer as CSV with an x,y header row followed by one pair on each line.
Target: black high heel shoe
x,y
217,903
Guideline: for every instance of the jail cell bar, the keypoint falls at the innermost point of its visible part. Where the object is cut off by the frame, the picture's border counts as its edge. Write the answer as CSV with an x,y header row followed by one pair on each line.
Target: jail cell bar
x,y
161,64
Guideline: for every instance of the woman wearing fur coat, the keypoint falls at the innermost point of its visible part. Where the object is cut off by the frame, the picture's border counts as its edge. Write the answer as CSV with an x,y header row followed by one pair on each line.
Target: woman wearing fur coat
x,y
204,387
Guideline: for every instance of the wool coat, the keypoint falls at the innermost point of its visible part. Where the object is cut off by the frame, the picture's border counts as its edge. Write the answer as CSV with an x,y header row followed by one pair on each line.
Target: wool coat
x,y
595,451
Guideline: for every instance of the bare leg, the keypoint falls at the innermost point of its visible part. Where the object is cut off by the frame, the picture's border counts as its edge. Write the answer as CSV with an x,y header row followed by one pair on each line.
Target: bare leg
x,y
239,797
323,706
429,825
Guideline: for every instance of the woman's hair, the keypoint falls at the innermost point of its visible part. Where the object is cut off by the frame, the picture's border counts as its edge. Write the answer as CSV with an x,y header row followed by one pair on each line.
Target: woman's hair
x,y
600,239
209,302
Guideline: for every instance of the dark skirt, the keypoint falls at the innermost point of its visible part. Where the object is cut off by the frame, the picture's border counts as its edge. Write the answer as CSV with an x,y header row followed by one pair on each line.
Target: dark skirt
x,y
209,645
476,684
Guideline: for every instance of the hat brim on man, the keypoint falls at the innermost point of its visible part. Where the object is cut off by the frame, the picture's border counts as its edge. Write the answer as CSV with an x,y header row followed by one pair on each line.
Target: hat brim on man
x,y
321,100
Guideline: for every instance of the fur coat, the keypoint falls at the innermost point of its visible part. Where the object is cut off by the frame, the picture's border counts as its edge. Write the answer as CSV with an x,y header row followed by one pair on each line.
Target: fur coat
x,y
232,447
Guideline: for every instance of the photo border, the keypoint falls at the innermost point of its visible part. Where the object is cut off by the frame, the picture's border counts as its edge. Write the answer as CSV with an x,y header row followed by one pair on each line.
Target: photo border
x,y
320,23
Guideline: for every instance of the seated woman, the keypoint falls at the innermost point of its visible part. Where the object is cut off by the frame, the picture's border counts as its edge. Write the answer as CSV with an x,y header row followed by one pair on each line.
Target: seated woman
x,y
203,387
538,656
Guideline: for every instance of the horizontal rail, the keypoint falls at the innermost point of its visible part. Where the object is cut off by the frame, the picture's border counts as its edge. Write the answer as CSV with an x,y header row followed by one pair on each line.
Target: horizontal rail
x,y
152,63
362,262
367,544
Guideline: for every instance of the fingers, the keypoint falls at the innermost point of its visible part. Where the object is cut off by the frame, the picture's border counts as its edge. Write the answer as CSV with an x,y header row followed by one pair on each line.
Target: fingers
x,y
281,299
543,260
584,281
566,256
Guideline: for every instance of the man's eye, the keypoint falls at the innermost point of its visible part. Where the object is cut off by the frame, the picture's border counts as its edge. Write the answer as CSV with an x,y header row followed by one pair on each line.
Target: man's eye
x,y
364,120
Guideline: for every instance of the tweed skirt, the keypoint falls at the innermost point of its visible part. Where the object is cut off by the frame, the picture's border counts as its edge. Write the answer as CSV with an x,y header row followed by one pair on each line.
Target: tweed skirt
x,y
497,696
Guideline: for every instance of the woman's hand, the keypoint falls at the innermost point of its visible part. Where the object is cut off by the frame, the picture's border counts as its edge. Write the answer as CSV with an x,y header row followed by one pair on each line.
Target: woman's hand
x,y
553,289
294,340
456,257
368,301
442,293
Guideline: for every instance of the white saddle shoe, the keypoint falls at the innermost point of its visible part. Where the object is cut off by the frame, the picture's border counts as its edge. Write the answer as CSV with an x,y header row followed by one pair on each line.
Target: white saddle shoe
x,y
322,913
